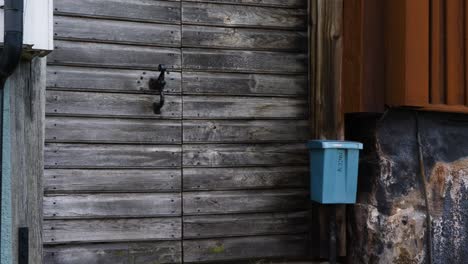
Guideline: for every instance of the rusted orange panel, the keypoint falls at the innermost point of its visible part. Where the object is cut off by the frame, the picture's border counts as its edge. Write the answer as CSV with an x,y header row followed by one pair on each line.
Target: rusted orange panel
x,y
395,39
352,56
466,52
455,48
407,49
437,58
417,52
363,56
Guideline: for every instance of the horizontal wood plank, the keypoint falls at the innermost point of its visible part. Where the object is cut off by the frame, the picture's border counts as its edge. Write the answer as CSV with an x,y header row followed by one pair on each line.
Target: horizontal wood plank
x,y
67,181
113,56
112,80
245,131
245,225
244,61
294,246
112,130
111,31
75,206
111,230
137,10
110,156
226,155
229,202
242,38
163,252
110,104
282,3
196,179
244,84
243,16
224,107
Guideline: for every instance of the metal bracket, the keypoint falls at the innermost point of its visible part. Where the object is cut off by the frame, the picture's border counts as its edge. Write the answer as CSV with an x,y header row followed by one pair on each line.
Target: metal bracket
x,y
158,86
23,245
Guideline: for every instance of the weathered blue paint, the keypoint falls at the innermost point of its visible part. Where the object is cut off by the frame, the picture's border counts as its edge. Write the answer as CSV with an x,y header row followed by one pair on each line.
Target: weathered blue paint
x,y
6,217
333,171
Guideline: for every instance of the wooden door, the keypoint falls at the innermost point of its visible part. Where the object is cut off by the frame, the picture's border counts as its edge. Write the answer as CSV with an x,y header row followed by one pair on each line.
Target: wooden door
x,y
112,167
245,108
220,174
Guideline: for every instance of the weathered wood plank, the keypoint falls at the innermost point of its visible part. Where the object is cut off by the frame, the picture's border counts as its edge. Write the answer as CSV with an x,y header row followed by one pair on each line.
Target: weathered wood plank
x,y
111,205
245,225
243,16
245,131
110,156
99,30
225,155
163,252
112,130
66,181
112,55
244,61
239,38
110,104
244,84
110,230
278,3
245,248
228,202
98,79
221,155
217,107
23,138
137,10
196,179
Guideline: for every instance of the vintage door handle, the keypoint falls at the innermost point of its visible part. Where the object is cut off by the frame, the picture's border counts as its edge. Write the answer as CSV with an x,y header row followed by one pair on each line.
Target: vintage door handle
x,y
158,86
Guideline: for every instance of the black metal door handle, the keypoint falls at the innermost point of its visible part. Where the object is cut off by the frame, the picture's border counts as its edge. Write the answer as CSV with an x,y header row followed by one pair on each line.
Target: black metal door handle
x,y
158,86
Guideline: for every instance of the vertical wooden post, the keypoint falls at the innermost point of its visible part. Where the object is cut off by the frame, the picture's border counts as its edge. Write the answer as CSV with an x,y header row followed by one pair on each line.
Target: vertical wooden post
x,y
26,130
325,91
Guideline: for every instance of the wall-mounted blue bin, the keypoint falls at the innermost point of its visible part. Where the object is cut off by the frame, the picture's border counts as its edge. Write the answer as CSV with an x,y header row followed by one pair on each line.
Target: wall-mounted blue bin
x,y
333,171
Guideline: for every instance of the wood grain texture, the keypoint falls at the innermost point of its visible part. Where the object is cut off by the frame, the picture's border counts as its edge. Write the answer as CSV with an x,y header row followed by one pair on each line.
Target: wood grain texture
x,y
110,230
245,225
110,104
112,205
196,179
163,252
278,3
245,248
117,180
242,38
111,156
136,10
243,16
24,157
244,61
112,130
228,202
245,131
100,30
113,56
111,80
244,84
217,107
226,155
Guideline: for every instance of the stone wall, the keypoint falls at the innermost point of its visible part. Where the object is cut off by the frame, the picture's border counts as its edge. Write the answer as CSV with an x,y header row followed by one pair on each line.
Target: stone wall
x,y
388,223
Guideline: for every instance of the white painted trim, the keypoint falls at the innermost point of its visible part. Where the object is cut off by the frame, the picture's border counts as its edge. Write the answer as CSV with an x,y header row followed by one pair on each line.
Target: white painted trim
x,y
38,25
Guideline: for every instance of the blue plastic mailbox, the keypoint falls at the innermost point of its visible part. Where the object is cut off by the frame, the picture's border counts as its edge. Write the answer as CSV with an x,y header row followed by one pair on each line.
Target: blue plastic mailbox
x,y
333,171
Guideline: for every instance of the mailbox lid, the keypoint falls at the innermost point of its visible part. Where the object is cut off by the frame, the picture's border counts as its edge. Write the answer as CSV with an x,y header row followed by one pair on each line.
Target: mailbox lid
x,y
333,144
